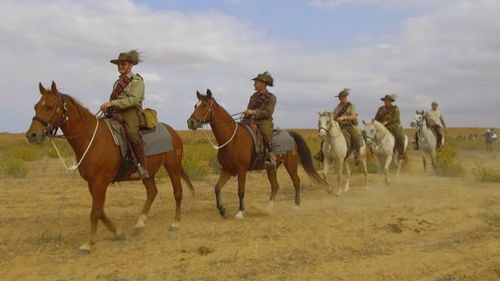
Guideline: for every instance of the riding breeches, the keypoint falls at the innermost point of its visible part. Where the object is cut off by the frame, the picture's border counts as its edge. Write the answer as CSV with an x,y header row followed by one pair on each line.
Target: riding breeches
x,y
399,136
266,129
439,133
131,122
355,136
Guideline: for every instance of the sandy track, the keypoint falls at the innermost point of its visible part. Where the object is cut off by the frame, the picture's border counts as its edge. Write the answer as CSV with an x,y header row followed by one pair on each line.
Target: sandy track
x,y
422,227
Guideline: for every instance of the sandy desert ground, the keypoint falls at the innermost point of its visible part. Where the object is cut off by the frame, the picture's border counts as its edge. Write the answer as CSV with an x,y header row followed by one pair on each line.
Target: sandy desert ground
x,y
422,227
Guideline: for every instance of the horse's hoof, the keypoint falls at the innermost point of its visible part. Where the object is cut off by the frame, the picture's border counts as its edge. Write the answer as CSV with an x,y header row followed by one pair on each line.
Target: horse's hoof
x,y
270,205
174,227
83,252
121,236
222,212
296,207
138,231
239,215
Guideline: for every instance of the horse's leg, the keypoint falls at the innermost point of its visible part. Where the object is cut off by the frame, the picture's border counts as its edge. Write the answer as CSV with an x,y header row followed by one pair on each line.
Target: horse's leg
x,y
242,178
433,159
271,176
98,192
387,163
291,164
223,178
424,160
340,168
151,192
365,169
348,176
326,167
174,172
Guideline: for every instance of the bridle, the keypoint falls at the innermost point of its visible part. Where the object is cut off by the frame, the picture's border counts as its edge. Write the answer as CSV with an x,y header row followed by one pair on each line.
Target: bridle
x,y
327,130
50,129
205,121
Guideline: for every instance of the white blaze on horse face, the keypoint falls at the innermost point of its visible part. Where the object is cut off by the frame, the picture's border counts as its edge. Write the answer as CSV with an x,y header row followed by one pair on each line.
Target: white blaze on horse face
x,y
198,104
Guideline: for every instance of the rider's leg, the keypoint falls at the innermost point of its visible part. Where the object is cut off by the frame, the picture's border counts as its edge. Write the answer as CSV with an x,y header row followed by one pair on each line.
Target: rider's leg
x,y
266,129
355,142
131,122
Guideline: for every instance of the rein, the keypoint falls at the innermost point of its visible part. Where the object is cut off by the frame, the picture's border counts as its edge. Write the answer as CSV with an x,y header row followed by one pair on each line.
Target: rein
x,y
217,147
50,130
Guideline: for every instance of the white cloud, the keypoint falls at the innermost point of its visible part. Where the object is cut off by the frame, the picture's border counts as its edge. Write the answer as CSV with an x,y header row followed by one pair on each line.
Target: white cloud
x,y
448,54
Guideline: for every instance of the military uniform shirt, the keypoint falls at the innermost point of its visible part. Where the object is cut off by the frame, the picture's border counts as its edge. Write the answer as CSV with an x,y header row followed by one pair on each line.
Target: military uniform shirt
x,y
388,116
351,111
132,95
434,117
265,111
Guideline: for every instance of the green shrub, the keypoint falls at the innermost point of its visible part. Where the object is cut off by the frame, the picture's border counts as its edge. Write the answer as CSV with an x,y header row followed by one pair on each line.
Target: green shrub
x,y
486,174
447,164
25,152
15,167
200,160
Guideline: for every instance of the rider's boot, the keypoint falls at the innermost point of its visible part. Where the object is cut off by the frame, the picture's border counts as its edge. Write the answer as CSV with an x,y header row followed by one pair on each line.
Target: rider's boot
x,y
142,172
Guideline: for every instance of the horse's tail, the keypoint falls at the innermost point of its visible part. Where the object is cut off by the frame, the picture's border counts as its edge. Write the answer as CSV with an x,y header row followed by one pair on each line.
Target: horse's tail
x,y
185,177
306,158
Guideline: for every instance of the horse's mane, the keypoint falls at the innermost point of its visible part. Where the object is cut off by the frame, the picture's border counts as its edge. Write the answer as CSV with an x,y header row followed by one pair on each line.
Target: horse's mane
x,y
81,109
379,125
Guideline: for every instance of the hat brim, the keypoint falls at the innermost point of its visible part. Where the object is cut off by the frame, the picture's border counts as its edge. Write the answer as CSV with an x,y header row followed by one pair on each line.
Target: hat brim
x,y
116,61
383,99
258,79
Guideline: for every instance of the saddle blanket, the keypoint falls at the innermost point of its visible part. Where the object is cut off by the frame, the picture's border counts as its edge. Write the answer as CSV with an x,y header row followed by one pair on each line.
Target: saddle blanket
x,y
156,141
282,141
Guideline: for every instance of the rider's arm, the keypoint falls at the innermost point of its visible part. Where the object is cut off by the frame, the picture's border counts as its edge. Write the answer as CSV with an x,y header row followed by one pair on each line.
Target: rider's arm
x,y
267,110
132,96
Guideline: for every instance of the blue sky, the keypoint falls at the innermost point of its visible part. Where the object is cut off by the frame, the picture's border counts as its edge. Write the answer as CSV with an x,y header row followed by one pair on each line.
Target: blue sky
x,y
423,50
299,21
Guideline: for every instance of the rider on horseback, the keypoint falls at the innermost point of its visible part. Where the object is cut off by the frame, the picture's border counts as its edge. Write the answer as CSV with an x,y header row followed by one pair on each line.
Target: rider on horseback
x,y
388,115
435,121
260,110
126,99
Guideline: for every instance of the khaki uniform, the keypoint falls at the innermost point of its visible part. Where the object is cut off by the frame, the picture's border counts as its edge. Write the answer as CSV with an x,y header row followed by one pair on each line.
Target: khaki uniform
x,y
129,103
351,126
264,115
389,116
435,121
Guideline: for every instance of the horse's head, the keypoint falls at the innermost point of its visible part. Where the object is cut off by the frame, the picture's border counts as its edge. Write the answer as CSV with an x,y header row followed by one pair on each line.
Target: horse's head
x,y
370,132
326,124
50,114
418,119
203,111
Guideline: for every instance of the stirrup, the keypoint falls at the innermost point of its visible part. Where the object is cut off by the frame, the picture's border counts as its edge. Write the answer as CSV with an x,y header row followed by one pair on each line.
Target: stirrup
x,y
140,173
270,163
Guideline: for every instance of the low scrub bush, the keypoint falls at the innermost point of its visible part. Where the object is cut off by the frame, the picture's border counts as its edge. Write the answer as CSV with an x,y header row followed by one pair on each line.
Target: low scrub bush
x,y
15,167
447,165
486,174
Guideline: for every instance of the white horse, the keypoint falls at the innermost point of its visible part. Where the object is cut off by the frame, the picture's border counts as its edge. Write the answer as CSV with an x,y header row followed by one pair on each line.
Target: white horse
x,y
427,140
335,150
383,143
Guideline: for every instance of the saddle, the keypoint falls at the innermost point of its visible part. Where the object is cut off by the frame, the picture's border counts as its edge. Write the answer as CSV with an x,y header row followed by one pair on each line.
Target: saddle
x,y
157,140
282,142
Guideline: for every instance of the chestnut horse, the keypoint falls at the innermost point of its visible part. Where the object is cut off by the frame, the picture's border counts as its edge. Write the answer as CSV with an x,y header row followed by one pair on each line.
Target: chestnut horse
x,y
86,133
236,150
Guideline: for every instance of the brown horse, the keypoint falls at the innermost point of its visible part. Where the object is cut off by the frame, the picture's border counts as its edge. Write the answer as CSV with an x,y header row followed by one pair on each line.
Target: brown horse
x,y
100,165
236,152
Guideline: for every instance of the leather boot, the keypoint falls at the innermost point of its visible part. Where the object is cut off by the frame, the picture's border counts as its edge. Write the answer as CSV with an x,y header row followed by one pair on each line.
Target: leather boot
x,y
271,162
356,157
142,172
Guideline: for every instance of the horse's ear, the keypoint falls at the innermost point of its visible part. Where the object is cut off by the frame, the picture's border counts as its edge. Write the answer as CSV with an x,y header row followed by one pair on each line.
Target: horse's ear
x,y
209,94
319,113
41,88
198,95
53,88
363,121
416,111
